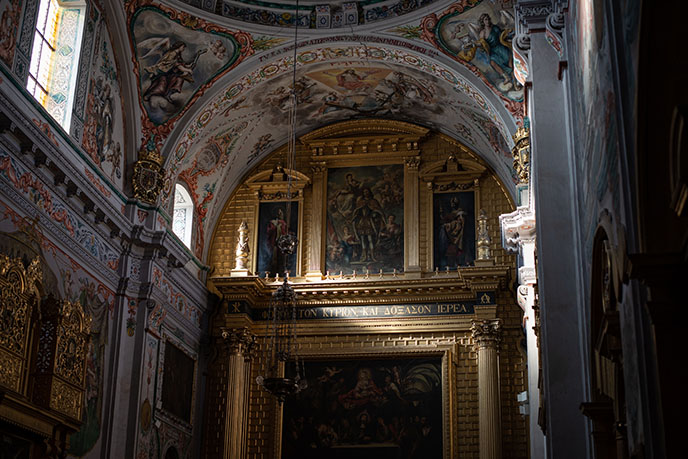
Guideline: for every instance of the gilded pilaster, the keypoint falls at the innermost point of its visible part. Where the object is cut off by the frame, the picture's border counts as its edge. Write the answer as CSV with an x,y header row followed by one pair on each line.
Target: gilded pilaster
x,y
411,222
316,244
487,335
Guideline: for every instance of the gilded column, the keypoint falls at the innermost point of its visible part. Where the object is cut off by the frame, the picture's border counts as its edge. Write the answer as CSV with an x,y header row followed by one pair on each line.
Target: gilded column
x,y
486,334
241,344
411,217
316,241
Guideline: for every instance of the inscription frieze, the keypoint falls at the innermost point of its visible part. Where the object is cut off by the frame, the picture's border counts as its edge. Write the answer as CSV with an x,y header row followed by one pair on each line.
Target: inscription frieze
x,y
381,311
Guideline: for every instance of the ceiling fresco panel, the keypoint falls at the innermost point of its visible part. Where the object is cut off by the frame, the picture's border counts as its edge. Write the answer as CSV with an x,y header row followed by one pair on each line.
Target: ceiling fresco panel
x,y
177,56
315,14
175,61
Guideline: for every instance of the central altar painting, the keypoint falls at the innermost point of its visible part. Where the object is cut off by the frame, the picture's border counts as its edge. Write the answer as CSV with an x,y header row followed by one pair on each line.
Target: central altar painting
x,y
381,408
365,219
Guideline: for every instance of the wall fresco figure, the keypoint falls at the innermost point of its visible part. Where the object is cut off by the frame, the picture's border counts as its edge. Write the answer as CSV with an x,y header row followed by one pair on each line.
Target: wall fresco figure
x,y
170,72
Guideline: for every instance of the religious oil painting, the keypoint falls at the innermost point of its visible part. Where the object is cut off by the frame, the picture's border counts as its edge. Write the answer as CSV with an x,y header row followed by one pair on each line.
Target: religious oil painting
x,y
272,224
177,382
175,61
454,229
365,219
379,409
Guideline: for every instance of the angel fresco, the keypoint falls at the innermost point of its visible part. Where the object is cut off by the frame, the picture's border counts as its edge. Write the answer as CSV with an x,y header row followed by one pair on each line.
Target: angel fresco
x,y
174,61
170,71
485,44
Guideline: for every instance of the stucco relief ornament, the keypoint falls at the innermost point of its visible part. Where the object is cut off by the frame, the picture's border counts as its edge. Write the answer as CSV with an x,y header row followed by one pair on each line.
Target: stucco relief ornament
x,y
521,154
149,177
483,237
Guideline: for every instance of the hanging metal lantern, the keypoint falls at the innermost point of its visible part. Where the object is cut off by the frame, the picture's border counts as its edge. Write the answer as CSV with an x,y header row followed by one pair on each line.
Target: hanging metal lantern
x,y
283,372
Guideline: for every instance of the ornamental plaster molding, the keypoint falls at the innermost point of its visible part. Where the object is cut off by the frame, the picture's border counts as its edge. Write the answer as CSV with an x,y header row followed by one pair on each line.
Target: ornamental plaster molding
x,y
527,275
518,228
531,14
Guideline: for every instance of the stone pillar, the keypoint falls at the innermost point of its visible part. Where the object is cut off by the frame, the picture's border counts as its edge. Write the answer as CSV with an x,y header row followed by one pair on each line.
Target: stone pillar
x,y
241,344
560,249
411,217
316,242
486,334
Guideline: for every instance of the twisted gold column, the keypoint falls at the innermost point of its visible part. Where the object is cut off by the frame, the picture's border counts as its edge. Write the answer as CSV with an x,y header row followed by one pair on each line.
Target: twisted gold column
x,y
486,334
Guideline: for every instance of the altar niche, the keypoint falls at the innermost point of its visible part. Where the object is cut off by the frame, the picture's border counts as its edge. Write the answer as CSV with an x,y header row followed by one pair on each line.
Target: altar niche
x,y
452,195
277,210
453,229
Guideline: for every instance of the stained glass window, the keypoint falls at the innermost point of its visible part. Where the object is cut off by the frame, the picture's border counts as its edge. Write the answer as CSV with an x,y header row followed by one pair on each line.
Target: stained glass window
x,y
55,56
182,216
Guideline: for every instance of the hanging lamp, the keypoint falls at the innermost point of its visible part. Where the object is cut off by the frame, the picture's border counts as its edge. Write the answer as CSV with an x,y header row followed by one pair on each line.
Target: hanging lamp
x,y
282,372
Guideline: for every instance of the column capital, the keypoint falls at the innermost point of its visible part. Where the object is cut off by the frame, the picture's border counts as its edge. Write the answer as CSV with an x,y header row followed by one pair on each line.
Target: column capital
x,y
240,341
412,162
486,333
318,167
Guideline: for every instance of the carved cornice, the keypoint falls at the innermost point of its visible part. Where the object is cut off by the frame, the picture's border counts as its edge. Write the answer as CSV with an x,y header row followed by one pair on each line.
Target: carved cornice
x,y
389,288
360,138
533,13
273,185
486,333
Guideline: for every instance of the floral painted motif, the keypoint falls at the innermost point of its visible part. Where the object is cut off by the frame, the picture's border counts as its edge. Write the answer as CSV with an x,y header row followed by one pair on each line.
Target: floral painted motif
x,y
34,190
9,21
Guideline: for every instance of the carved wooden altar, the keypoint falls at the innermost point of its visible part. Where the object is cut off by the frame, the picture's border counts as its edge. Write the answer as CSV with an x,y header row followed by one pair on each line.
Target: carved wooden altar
x,y
43,345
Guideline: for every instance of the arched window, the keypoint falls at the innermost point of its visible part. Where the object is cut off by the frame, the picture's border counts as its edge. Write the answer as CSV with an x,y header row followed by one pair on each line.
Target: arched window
x,y
55,57
182,216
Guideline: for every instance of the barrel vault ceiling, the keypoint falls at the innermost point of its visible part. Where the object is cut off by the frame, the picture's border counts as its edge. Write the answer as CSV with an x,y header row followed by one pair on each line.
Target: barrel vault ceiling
x,y
444,65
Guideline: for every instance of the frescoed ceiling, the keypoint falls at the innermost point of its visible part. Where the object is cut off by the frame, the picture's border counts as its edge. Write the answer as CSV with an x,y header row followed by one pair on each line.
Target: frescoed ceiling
x,y
312,14
214,91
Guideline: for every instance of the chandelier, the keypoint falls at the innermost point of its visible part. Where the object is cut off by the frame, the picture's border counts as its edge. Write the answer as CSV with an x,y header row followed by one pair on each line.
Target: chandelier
x,y
282,372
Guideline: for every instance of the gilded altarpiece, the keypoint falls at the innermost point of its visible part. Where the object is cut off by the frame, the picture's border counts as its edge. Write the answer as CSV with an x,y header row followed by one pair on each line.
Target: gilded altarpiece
x,y
355,325
43,345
